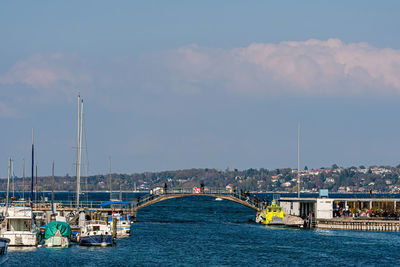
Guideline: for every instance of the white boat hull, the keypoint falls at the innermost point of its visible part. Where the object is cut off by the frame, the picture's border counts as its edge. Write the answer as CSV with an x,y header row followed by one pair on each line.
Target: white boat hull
x,y
21,238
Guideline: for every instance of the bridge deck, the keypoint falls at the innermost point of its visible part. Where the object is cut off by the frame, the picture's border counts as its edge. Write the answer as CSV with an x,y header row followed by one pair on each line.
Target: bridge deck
x,y
158,198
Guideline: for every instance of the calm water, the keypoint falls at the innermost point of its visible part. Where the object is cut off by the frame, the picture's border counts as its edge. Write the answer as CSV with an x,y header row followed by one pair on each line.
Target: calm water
x,y
200,231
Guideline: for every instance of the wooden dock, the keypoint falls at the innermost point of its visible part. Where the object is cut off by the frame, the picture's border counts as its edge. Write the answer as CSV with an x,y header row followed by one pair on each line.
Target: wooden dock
x,y
359,224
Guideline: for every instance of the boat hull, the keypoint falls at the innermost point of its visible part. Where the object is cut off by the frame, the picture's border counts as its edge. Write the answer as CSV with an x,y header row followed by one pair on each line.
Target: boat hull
x,y
3,250
57,241
96,240
21,239
274,221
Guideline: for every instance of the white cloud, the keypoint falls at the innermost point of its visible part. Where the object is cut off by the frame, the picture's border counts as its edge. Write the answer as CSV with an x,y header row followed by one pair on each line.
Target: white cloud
x,y
49,75
311,67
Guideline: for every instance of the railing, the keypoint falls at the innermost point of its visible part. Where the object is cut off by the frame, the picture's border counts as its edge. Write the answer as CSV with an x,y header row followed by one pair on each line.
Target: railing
x,y
61,203
156,193
143,199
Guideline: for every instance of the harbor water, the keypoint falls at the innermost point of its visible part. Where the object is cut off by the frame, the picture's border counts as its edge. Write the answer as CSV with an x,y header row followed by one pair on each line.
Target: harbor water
x,y
200,231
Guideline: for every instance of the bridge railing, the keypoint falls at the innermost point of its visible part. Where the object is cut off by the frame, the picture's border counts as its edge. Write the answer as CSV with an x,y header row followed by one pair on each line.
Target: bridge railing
x,y
143,199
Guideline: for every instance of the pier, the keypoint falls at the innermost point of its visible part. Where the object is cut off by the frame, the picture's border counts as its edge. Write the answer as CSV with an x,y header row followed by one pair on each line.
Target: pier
x,y
359,224
364,214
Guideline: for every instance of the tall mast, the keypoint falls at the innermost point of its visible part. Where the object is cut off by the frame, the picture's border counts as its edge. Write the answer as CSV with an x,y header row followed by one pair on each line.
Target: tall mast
x,y
80,144
36,188
52,192
12,177
23,179
298,160
109,174
8,183
78,154
33,163
120,188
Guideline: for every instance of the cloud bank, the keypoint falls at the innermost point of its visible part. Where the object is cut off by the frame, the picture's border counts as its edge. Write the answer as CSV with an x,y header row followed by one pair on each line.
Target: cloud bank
x,y
308,68
50,76
311,67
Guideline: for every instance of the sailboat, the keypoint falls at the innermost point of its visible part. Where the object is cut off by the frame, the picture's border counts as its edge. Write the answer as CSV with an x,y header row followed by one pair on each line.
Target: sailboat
x,y
19,226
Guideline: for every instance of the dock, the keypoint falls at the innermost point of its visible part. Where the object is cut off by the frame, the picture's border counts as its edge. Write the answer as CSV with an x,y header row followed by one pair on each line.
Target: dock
x,y
363,214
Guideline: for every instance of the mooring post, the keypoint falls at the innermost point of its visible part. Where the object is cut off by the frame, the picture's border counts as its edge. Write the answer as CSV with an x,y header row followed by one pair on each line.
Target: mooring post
x,y
114,227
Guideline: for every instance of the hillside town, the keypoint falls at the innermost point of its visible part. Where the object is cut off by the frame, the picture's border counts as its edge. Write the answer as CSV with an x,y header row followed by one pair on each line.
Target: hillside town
x,y
335,178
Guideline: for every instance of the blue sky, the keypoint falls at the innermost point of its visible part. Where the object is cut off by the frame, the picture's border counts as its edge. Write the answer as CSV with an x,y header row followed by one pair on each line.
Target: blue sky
x,y
180,84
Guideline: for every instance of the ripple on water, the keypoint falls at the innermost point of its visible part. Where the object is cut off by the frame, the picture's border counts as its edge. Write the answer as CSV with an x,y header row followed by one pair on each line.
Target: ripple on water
x,y
203,232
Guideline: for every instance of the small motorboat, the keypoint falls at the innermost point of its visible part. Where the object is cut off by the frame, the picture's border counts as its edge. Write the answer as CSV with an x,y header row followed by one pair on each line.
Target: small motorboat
x,y
218,199
123,224
95,233
272,215
19,227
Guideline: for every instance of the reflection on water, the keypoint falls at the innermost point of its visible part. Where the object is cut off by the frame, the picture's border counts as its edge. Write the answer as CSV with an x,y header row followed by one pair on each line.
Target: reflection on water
x,y
21,249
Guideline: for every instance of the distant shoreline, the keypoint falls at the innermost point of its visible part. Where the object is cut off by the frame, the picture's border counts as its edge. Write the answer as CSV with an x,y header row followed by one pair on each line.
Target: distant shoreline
x,y
252,192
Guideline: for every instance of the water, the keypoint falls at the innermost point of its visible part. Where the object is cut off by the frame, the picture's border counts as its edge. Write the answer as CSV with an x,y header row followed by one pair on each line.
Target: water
x,y
200,231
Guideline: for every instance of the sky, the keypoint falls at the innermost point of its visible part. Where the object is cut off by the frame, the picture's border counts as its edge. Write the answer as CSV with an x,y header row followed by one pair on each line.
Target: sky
x,y
199,84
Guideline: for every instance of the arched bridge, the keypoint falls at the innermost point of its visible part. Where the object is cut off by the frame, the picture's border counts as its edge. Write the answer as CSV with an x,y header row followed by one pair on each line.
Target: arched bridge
x,y
162,195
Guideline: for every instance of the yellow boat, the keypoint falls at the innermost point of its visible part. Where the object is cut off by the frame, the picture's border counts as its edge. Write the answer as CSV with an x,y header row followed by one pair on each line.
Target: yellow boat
x,y
273,215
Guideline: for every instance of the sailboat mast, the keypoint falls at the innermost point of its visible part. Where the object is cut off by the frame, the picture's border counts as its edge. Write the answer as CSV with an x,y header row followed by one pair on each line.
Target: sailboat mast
x,y
80,147
8,182
78,171
52,192
36,188
120,189
109,174
12,177
33,163
298,160
23,179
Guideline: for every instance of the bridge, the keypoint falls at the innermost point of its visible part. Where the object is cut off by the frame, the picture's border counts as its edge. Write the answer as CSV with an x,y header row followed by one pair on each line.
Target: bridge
x,y
68,207
162,195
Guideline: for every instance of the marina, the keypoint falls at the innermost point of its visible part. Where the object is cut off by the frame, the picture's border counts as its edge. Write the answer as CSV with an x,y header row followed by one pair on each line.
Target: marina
x,y
196,224
199,133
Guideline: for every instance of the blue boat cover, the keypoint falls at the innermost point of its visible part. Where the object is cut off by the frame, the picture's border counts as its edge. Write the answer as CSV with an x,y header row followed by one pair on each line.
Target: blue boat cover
x,y
114,202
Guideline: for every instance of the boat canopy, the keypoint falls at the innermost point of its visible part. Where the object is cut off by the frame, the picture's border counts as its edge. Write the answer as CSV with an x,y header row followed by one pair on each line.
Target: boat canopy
x,y
114,202
52,227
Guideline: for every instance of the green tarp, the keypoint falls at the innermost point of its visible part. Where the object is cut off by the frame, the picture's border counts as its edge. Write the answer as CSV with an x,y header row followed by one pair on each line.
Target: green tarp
x,y
52,227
